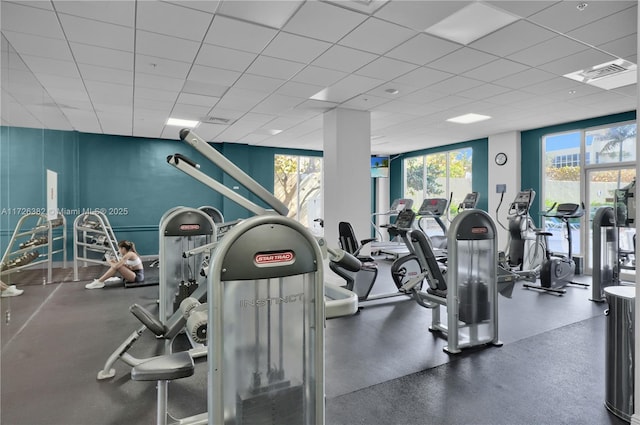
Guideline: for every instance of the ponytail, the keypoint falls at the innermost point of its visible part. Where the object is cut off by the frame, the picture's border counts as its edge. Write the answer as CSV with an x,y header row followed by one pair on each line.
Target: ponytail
x,y
128,245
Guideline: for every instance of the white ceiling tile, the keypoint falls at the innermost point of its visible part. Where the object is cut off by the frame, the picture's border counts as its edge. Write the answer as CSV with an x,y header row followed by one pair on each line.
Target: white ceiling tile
x,y
222,57
348,87
365,102
164,106
454,85
209,131
462,60
525,78
377,36
552,86
84,121
283,123
575,93
188,112
115,12
496,70
30,20
196,99
254,138
170,19
159,66
162,46
51,66
313,18
159,82
209,6
96,33
109,94
241,99
206,89
98,73
522,8
108,58
228,114
34,45
576,62
235,34
296,89
155,94
319,76
277,103
564,16
423,77
385,69
257,82
547,51
208,74
622,47
39,4
422,96
482,92
419,15
423,48
344,59
274,68
610,28
253,119
61,83
381,90
512,38
630,90
296,48
272,14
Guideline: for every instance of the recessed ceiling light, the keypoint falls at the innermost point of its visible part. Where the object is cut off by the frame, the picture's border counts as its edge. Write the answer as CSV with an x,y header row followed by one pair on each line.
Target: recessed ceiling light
x,y
267,131
321,95
392,91
469,118
471,23
182,123
582,6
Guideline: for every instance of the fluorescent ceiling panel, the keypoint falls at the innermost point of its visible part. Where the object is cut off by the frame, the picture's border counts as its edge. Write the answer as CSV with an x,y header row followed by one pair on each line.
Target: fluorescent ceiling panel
x,y
182,123
471,23
469,118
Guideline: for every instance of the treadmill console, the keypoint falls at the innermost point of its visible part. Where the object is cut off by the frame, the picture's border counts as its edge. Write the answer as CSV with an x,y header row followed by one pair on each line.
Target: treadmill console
x,y
434,207
405,219
568,211
401,204
470,201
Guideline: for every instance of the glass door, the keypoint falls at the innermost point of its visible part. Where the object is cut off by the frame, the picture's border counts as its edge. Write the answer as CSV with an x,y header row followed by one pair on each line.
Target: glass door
x,y
600,187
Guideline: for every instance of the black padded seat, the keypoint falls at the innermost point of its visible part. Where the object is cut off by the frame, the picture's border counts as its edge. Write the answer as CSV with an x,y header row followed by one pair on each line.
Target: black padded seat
x,y
164,368
148,319
437,292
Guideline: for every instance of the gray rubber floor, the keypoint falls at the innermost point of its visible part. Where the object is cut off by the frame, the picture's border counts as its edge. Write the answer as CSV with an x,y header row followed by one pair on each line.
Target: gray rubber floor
x,y
382,365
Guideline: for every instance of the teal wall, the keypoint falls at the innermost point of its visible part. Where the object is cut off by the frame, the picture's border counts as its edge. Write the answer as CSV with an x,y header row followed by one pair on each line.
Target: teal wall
x,y
531,149
117,172
479,168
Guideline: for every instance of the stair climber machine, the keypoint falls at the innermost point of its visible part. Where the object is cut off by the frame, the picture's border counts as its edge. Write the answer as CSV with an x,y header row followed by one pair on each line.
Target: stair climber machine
x,y
558,270
465,284
362,281
394,246
265,313
524,254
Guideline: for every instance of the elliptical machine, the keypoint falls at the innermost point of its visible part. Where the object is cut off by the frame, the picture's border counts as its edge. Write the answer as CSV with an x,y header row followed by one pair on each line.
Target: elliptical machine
x,y
559,270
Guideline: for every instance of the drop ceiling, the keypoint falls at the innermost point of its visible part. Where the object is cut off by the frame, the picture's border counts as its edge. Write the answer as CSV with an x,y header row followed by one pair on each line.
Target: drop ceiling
x,y
263,72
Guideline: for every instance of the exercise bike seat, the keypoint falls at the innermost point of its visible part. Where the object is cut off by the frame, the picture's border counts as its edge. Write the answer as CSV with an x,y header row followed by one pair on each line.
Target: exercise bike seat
x,y
148,319
442,293
543,233
164,368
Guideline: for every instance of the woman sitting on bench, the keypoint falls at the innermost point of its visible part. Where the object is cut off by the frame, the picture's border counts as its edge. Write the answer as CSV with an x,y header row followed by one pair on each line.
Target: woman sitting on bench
x,y
129,266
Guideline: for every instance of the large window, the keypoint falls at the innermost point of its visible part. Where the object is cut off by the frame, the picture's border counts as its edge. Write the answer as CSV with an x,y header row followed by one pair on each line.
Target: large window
x,y
298,184
437,175
587,166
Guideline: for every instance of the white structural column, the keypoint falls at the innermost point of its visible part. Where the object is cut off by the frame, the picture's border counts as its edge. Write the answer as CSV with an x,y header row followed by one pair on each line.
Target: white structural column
x,y
347,175
635,419
509,174
382,204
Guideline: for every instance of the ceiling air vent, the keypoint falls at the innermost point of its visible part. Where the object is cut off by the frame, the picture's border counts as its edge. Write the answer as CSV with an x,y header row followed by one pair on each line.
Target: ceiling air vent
x,y
609,75
217,120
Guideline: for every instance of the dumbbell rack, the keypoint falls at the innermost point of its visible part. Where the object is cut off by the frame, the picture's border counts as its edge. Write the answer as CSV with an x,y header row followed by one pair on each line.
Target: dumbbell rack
x,y
33,242
94,240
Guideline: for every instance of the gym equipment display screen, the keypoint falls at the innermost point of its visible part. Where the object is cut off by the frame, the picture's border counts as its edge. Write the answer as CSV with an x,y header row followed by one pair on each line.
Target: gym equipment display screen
x,y
379,166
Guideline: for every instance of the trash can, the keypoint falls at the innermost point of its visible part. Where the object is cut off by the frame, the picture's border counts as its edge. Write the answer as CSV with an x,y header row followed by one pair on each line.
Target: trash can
x,y
619,351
